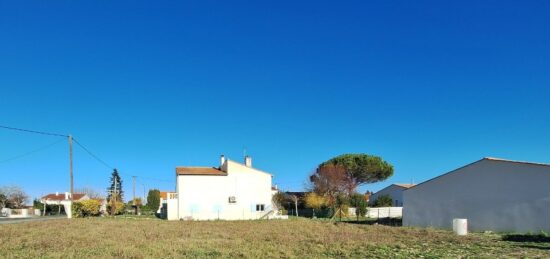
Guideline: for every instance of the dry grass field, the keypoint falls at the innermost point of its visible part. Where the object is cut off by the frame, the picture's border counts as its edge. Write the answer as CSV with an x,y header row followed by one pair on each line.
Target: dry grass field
x,y
295,238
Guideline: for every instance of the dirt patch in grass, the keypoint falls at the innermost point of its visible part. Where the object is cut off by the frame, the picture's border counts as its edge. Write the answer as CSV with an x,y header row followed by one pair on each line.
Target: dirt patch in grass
x,y
296,238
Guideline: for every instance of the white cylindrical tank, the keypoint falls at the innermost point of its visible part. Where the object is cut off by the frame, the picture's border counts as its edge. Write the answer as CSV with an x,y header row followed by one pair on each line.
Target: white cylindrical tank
x,y
460,226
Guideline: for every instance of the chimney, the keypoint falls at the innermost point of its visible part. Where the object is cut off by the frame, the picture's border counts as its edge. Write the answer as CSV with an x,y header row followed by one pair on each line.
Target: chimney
x,y
56,193
66,195
248,161
222,160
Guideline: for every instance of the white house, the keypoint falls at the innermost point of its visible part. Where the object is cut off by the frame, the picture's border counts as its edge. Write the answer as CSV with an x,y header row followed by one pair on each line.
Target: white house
x,y
231,191
493,194
395,191
63,199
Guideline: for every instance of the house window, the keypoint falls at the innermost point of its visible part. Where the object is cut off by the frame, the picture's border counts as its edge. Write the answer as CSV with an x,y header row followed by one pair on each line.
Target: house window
x,y
232,199
260,207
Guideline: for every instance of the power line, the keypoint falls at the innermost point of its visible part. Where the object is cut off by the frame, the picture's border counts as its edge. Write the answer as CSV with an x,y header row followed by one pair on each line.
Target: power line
x,y
155,179
31,152
78,143
34,131
110,167
92,154
147,178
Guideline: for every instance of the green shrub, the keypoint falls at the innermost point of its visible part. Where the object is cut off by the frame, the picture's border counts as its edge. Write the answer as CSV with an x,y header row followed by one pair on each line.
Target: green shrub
x,y
342,211
119,208
315,201
358,201
383,201
341,206
86,208
76,210
153,199
90,207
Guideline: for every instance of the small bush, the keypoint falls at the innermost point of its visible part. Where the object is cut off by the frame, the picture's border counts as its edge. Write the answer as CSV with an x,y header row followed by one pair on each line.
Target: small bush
x,y
342,211
119,208
358,201
77,210
86,208
315,201
383,201
90,207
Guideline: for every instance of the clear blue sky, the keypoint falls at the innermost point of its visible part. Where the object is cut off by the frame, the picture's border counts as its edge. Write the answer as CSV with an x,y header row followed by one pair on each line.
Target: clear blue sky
x,y
147,86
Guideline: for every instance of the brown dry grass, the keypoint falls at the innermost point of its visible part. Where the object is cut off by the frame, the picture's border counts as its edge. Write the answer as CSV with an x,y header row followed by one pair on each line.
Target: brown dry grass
x,y
296,238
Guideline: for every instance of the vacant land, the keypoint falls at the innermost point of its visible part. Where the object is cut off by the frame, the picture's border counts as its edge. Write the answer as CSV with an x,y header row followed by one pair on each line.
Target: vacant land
x,y
296,238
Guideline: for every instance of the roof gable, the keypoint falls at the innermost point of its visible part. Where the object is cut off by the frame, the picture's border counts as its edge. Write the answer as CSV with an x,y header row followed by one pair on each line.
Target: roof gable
x,y
485,159
398,185
514,161
212,171
404,185
241,165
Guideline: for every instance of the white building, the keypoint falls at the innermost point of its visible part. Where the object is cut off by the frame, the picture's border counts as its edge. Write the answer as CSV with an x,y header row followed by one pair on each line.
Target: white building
x,y
493,194
231,191
395,191
63,199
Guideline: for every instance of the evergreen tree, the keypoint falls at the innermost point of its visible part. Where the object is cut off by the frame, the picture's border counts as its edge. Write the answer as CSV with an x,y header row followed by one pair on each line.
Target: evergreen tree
x,y
115,178
359,169
153,199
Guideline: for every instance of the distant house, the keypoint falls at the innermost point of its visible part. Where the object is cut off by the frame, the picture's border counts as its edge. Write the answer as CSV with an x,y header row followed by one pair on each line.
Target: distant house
x,y
63,199
59,198
492,194
230,191
395,191
367,196
163,205
163,197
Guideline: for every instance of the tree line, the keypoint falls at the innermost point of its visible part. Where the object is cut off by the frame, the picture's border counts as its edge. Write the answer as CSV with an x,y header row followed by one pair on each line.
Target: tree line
x,y
115,200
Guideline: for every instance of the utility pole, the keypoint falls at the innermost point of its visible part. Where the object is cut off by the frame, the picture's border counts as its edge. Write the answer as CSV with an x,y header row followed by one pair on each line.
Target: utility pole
x,y
71,163
113,199
134,191
144,194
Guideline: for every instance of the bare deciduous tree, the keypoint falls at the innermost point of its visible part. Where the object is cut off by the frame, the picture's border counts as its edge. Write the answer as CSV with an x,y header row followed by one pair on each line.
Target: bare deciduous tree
x,y
329,181
279,199
295,199
3,199
91,192
13,197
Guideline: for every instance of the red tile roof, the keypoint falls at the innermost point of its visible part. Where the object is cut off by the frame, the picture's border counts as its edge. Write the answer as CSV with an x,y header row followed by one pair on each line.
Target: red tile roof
x,y
200,171
61,196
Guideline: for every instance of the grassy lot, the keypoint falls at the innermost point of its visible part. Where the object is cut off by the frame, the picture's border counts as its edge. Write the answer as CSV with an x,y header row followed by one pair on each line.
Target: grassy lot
x,y
295,238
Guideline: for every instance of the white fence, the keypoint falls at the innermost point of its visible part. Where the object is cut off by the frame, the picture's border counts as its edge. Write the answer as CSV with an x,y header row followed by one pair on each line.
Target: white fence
x,y
19,213
385,212
5,212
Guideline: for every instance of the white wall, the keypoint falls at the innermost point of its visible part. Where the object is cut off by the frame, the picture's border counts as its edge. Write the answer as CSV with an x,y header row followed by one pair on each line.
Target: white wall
x,y
172,206
385,212
492,195
207,197
395,191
